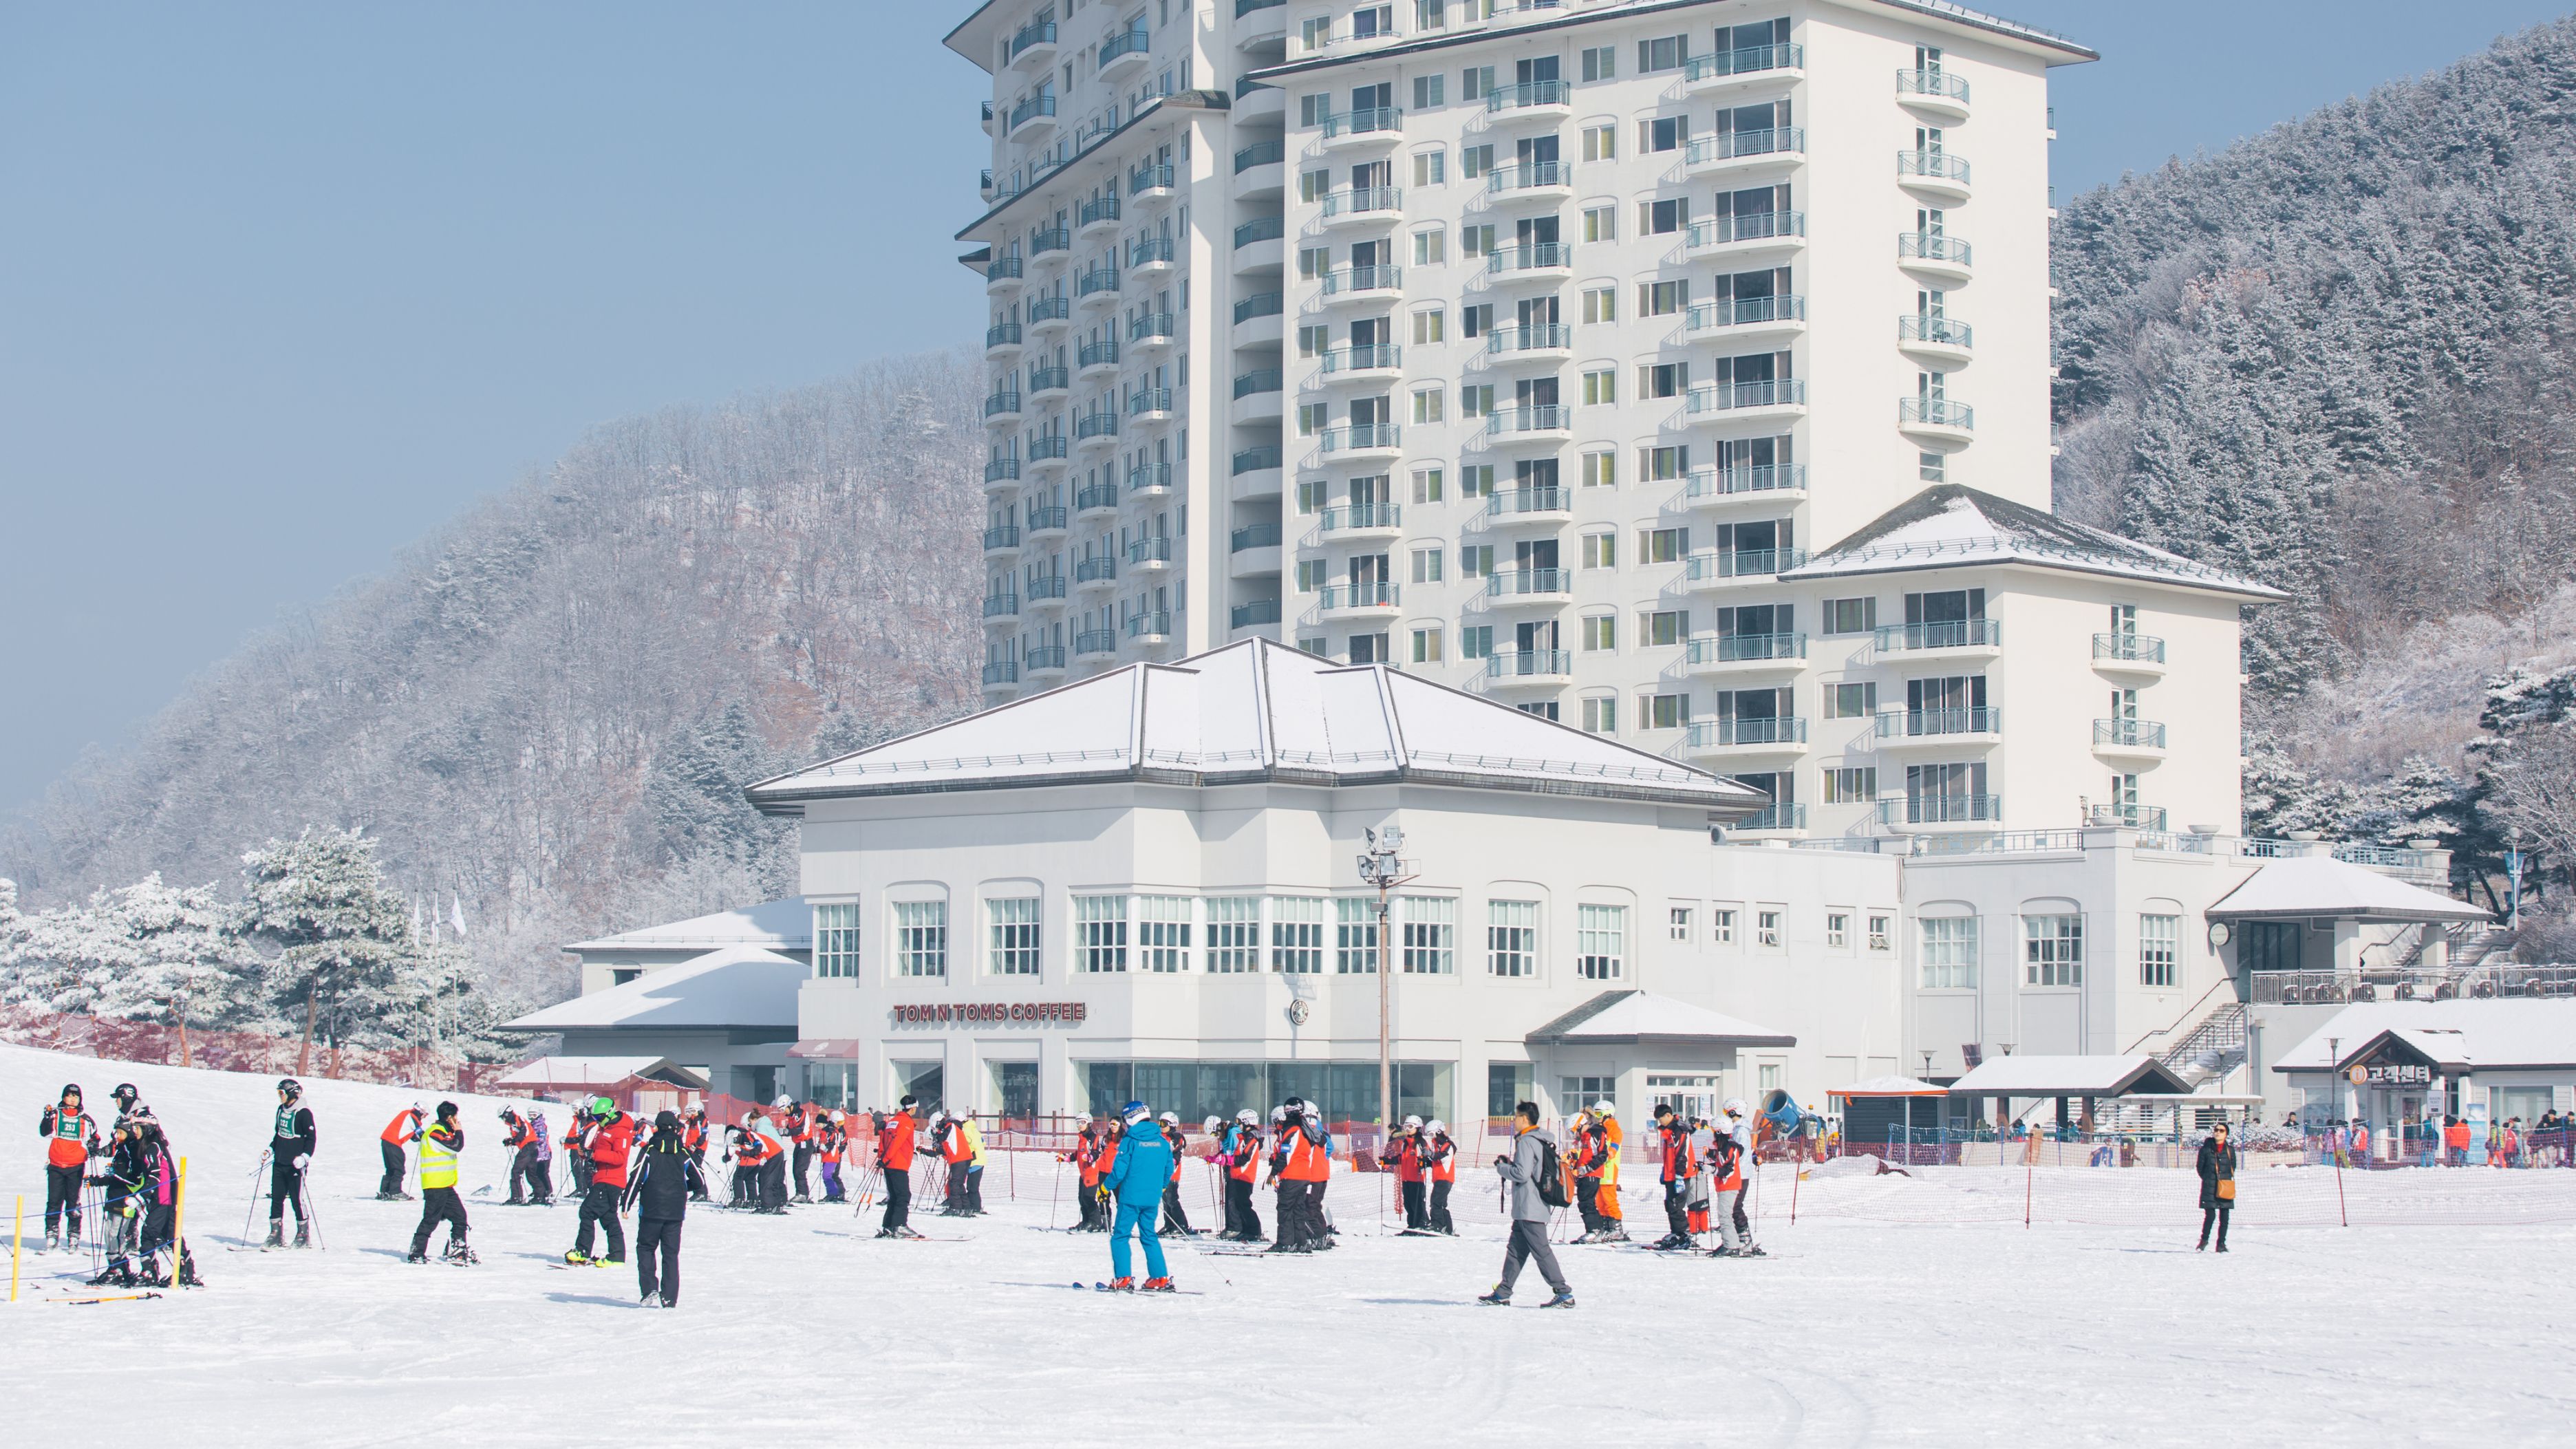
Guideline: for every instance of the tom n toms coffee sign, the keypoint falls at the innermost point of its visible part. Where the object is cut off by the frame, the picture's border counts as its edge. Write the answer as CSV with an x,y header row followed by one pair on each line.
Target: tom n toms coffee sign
x,y
992,1013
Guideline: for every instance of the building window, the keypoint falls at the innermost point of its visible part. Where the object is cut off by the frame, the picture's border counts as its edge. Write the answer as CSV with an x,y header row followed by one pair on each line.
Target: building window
x,y
1600,62
1663,626
1600,633
1850,616
1601,470
1600,386
1770,1076
2052,950
1431,324
1426,646
1429,91
1852,701
1584,1093
1430,168
1601,942
1601,714
1680,923
1881,932
1929,468
1297,935
1662,545
836,940
1475,641
1601,304
1665,711
1949,960
1426,566
1837,929
2159,948
1015,935
1234,934
1476,480
1100,932
1430,935
1430,247
1426,481
1766,930
1721,928
921,938
1427,404
1600,550
1163,933
1511,938
1355,937
1851,785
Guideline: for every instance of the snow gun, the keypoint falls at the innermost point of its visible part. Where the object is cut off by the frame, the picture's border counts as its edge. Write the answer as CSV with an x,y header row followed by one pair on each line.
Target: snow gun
x,y
1781,1111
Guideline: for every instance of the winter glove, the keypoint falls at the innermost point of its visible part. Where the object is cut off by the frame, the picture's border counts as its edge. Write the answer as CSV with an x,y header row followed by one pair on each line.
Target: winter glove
x,y
302,1159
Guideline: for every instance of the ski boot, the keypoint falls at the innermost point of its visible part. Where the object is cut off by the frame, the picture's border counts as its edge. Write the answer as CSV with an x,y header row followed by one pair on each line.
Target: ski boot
x,y
576,1257
460,1254
50,1239
649,1300
1499,1298
276,1234
416,1255
1613,1235
114,1275
303,1233
389,1197
188,1270
1561,1300
1160,1285
1122,1285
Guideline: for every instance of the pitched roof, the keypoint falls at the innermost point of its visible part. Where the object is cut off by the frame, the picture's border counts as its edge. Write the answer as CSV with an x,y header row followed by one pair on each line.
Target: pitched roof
x,y
546,1072
2486,1036
738,986
1640,1018
1255,711
1953,526
2317,885
2071,1076
1889,1087
785,924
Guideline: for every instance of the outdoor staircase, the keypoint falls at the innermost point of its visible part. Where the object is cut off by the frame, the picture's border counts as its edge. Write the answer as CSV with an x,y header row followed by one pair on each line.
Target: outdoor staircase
x,y
2213,1047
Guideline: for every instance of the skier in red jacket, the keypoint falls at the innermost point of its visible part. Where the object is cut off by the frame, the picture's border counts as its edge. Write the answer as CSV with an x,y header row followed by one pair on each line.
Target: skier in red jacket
x,y
608,1140
894,1160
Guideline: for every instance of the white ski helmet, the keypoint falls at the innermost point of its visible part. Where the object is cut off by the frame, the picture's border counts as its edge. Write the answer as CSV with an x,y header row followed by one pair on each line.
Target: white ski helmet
x,y
1438,1127
1248,1117
1411,1122
1604,1109
1171,1119
1278,1114
784,1100
1734,1107
1211,1124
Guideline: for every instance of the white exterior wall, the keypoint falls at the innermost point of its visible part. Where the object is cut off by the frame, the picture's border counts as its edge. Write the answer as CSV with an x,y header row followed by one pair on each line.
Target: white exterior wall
x,y
1474,846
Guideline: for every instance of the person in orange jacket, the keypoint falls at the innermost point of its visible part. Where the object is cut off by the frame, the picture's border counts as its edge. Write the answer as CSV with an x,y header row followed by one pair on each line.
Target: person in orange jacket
x,y
1403,1153
1239,1153
1679,1167
894,1160
1440,1164
830,1141
398,1134
1614,1220
2455,1141
799,1124
71,1135
1302,1165
1176,1219
1085,1157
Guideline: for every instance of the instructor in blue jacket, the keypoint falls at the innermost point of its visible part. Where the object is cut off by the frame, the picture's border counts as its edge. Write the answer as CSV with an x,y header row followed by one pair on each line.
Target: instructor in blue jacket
x,y
1136,1181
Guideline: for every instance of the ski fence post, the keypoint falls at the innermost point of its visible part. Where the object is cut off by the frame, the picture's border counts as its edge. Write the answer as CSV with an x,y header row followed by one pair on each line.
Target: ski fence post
x,y
2029,1177
2341,1212
17,1243
179,1223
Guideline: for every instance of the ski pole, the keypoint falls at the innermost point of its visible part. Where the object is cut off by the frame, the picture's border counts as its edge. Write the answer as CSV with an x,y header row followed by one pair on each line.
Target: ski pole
x,y
250,1216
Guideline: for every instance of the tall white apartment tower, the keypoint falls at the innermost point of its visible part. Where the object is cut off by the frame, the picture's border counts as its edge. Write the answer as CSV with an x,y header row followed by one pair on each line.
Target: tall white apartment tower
x,y
1674,369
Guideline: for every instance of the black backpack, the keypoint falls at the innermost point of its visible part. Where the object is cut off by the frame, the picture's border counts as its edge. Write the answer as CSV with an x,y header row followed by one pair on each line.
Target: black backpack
x,y
1551,1174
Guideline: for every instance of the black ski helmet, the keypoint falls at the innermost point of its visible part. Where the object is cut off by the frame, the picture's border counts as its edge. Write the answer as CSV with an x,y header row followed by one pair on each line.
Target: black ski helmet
x,y
124,1095
70,1089
291,1087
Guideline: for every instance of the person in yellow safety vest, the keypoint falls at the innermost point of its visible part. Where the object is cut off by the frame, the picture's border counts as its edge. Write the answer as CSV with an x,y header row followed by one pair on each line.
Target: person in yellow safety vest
x,y
440,1146
974,1137
1614,1222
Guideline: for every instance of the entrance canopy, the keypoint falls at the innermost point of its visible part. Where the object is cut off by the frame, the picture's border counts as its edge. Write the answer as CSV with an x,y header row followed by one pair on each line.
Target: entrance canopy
x,y
2321,887
2085,1076
1641,1018
2450,1038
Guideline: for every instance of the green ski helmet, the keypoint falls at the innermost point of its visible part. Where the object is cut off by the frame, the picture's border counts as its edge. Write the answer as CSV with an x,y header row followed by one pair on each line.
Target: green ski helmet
x,y
603,1107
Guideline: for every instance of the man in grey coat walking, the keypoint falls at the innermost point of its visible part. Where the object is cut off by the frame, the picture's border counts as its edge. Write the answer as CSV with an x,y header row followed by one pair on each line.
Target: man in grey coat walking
x,y
1525,1170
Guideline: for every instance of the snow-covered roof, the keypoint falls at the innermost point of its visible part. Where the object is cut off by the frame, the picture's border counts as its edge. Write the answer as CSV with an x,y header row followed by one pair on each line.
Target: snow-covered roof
x,y
779,925
2069,1076
1255,711
545,1072
1889,1087
739,986
1640,1018
2472,1035
1952,526
2317,885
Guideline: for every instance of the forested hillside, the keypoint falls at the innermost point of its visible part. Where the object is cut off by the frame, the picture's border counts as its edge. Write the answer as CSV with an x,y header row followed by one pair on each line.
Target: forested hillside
x,y
545,714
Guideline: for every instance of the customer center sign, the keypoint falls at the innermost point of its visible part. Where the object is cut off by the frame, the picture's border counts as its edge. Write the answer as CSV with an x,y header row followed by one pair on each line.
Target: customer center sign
x,y
992,1013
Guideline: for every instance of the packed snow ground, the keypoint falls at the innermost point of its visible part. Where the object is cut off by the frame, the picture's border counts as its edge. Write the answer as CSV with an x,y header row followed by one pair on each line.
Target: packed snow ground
x,y
1896,1311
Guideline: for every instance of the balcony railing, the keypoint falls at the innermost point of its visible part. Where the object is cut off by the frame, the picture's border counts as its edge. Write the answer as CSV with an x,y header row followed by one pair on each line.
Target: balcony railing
x,y
1260,379
1744,648
1790,816
1031,109
1150,549
1361,435
1001,606
1934,247
1149,626
1751,60
1050,309
1001,671
1253,535
1149,178
1748,227
1147,250
2134,734
1363,201
1364,357
1739,145
1260,229
1942,634
1530,498
1103,353
1257,611
996,404
1530,176
1372,121
1002,536
1936,412
1095,641
1259,304
1052,239
1536,257
1046,586
1040,33
1358,596
1940,331
1001,267
1543,418
1525,583
1255,460
1722,482
1149,400
1785,729
1362,515
1942,810
1746,312
1093,496
1149,478
1046,520
1744,563
2136,817
1527,94
1151,327
1126,43
1528,664
1729,397
1049,379
1043,657
2129,648
1096,425
1097,280
1095,569
1934,165
1046,446
1915,724
1543,337
1099,209
1002,470
1930,82
1260,153
1002,334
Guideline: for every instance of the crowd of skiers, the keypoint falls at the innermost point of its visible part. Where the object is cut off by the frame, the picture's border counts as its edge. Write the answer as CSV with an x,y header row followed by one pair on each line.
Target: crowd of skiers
x,y
136,1171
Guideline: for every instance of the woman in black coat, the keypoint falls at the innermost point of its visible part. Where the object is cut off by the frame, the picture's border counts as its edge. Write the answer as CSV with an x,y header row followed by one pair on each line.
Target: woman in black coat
x,y
2217,1164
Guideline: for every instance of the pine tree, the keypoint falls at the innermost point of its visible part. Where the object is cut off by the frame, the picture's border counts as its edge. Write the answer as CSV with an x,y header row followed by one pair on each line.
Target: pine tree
x,y
342,941
177,956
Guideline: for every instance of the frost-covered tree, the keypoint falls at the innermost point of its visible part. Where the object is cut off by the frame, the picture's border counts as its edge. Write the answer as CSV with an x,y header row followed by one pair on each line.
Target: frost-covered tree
x,y
178,957
341,941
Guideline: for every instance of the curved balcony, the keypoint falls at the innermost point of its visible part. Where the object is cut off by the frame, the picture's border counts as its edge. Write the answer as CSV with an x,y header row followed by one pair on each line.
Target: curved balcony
x,y
1547,504
1096,501
1149,405
1096,572
1049,384
1545,342
1258,396
1376,126
1749,401
1933,92
1363,520
1046,524
1253,552
1004,538
1253,614
1151,183
1150,254
1371,359
1046,591
1731,236
1097,215
1095,430
1032,118
1261,171
1936,340
1745,318
1050,315
1746,653
1152,331
1149,481
1541,181
1256,320
1362,284
1047,453
1720,568
1529,666
1260,245
1150,628
1003,275
1097,287
1125,51
1945,728
1362,206
1934,173
2129,739
1362,440
1097,359
1746,483
1048,242
1529,586
2140,655
1148,555
1001,340
1091,644
1046,659
1543,101
1739,151
1936,255
1002,409
1733,70
1352,599
1002,472
1935,812
1547,262
1256,474
1033,44
1784,734
1256,104
1937,420
1260,25
1543,423
1001,674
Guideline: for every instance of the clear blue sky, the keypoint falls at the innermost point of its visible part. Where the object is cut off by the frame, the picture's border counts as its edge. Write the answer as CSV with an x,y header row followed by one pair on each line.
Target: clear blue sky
x,y
283,286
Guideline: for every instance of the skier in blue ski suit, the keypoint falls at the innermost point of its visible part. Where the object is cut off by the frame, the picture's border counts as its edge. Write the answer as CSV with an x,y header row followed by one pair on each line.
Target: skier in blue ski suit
x,y
1136,1181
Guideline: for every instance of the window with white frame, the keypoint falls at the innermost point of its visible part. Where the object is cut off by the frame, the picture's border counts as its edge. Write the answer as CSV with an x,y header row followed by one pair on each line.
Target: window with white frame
x,y
1233,934
1680,923
1511,938
1721,927
1015,935
1430,935
1949,955
2052,950
1769,1076
1766,930
1354,937
1297,935
1430,247
1837,929
1882,932
836,940
1100,933
921,938
1163,933
2159,949
1601,942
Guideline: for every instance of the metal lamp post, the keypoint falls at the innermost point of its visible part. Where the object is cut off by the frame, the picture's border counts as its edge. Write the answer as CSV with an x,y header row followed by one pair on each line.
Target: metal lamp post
x,y
1381,867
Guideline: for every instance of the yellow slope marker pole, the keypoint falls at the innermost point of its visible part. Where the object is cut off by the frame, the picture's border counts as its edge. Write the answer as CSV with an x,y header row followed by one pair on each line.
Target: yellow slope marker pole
x,y
17,1240
179,1224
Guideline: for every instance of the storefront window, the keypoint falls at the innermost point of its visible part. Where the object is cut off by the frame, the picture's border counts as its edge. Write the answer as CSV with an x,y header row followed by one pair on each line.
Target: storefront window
x,y
1507,1085
832,1084
924,1082
1345,1091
